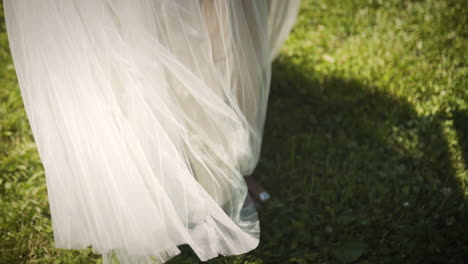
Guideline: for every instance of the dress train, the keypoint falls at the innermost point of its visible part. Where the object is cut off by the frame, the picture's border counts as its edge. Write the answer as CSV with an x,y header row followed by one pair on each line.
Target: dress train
x,y
146,114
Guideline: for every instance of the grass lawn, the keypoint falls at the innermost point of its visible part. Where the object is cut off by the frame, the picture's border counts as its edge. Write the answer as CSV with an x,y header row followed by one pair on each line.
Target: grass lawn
x,y
365,149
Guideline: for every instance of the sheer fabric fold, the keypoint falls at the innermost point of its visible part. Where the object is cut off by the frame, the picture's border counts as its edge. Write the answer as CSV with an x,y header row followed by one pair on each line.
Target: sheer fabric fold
x,y
146,114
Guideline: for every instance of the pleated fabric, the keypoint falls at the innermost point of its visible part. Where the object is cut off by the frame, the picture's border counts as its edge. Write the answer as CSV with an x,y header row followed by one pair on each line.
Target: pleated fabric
x,y
146,115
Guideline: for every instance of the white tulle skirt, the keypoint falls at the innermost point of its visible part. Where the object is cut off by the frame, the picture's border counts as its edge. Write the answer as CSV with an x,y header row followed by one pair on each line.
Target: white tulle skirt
x,y
146,115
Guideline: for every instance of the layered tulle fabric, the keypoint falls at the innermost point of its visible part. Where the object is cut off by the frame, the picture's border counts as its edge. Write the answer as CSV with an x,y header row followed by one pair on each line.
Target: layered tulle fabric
x,y
146,114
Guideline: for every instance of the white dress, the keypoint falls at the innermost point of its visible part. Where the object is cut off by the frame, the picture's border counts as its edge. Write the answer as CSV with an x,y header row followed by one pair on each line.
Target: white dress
x,y
146,115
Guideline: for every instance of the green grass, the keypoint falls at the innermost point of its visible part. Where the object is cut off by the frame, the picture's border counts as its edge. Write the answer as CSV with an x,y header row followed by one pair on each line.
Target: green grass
x,y
365,149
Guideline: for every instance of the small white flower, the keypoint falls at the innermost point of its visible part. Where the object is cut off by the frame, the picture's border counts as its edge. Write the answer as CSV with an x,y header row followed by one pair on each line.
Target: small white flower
x,y
447,191
328,58
406,204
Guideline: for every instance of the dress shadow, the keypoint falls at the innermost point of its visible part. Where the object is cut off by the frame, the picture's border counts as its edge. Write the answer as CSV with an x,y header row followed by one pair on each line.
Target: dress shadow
x,y
351,166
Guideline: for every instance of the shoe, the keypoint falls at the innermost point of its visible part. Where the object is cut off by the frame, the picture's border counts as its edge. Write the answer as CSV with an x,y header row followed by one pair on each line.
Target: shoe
x,y
256,191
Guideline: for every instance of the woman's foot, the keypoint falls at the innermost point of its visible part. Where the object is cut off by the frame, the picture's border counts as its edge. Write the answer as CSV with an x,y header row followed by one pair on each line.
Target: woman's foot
x,y
258,193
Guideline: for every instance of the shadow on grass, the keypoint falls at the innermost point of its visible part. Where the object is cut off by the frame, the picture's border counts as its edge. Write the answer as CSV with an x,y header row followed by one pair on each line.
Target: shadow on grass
x,y
355,175
460,119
